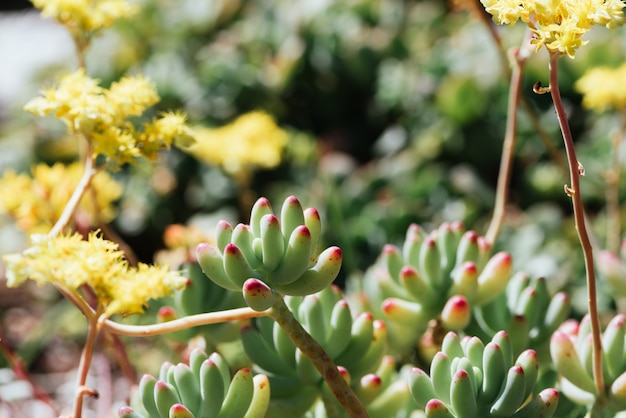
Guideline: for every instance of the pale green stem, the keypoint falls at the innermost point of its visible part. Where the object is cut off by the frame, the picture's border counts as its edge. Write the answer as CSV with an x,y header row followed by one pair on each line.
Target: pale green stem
x,y
575,171
89,172
322,362
182,323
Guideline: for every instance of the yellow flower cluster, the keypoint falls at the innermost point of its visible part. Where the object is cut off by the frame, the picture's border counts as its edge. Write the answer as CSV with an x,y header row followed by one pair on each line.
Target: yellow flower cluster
x,y
558,24
84,16
101,116
71,262
37,202
603,88
252,140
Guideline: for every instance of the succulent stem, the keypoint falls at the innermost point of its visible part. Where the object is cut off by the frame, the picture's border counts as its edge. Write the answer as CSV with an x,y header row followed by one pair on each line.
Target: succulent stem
x,y
322,362
575,171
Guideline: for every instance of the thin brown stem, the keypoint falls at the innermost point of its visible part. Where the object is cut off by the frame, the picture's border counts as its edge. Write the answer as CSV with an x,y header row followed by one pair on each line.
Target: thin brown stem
x,y
181,323
82,390
508,146
533,117
89,172
81,43
575,171
322,362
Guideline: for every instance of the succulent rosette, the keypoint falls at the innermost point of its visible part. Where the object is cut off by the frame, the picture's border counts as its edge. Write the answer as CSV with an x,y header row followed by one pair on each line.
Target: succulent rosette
x,y
438,275
203,388
384,393
471,380
271,254
356,344
571,349
527,311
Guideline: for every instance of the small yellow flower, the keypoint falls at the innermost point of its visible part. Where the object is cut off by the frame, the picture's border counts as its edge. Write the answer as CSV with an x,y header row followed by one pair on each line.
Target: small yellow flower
x,y
603,88
252,140
71,262
169,128
101,116
37,202
558,24
84,16
131,96
129,293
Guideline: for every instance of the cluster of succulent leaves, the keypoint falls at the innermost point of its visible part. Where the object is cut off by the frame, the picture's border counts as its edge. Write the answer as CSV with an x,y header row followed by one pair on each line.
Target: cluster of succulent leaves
x,y
495,364
571,351
356,345
203,388
436,275
471,379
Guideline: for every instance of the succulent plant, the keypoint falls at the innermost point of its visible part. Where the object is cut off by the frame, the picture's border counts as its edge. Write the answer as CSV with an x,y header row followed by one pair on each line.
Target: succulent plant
x,y
385,393
202,389
270,259
471,380
356,345
526,311
279,254
440,275
571,351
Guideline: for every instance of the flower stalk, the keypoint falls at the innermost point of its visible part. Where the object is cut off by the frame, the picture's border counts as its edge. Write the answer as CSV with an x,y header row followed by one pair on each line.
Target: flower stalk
x,y
182,323
93,331
517,58
576,170
88,174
